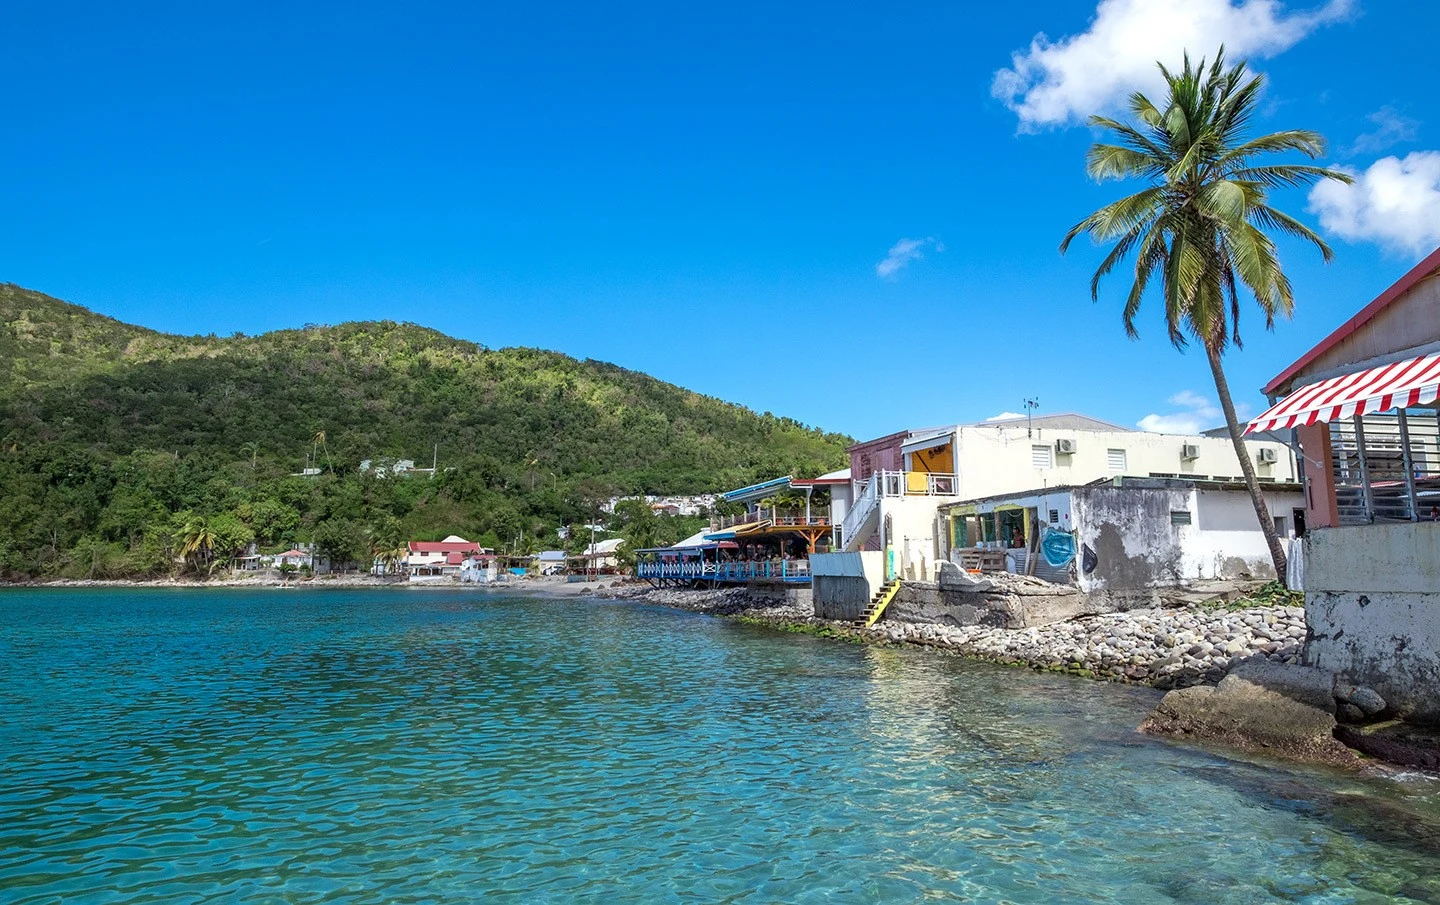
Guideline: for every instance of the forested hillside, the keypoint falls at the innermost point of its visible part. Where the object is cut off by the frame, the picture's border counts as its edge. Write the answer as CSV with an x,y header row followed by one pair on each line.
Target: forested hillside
x,y
116,438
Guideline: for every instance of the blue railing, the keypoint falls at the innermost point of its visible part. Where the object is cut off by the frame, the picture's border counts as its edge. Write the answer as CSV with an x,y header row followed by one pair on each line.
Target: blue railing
x,y
763,570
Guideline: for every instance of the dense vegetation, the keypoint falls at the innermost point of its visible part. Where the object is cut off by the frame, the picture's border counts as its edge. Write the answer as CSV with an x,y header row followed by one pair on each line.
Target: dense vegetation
x,y
119,446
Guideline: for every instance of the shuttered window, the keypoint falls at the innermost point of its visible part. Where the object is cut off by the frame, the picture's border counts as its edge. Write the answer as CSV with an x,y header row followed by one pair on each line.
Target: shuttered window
x,y
1116,458
1041,456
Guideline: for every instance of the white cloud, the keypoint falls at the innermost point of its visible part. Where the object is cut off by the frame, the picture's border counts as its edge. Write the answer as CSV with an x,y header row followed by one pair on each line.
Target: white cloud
x,y
1198,413
1057,83
902,253
1005,416
1396,203
1391,128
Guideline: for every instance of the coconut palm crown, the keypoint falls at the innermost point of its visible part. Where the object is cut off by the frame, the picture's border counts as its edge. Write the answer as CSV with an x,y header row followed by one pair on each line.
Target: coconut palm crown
x,y
1200,229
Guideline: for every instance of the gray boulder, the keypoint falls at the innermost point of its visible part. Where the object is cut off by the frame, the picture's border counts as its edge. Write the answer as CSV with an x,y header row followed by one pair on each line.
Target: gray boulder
x,y
1368,700
1259,706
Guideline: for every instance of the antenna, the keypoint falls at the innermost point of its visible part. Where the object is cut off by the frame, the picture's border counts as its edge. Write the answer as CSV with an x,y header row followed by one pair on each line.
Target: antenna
x,y
1030,406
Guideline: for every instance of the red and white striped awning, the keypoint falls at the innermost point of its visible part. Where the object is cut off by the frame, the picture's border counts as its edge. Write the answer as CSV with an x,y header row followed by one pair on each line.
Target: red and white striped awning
x,y
1400,384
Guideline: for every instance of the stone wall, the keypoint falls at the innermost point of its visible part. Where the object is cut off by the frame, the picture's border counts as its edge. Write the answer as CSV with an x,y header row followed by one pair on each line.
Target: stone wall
x,y
1372,605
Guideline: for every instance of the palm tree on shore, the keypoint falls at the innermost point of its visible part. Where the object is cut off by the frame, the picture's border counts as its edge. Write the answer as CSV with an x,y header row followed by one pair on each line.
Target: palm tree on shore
x,y
1200,227
197,540
387,543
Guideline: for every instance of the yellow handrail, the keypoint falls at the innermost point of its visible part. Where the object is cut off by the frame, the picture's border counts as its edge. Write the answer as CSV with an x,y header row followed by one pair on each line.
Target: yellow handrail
x,y
887,594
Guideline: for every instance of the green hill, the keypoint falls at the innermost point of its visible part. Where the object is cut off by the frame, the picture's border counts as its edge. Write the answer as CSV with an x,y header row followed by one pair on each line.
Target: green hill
x,y
111,433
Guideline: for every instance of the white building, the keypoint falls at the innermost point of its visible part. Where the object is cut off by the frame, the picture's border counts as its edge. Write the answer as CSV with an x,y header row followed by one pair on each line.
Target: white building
x,y
901,480
1122,534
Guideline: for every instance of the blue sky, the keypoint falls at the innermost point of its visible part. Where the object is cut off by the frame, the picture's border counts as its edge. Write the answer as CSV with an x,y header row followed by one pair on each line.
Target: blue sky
x,y
706,194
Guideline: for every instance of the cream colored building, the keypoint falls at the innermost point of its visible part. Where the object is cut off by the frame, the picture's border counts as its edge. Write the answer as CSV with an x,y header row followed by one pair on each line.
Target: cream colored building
x,y
902,479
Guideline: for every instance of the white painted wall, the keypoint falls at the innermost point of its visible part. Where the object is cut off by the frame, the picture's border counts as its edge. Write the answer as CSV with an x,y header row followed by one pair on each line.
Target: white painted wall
x,y
912,533
995,460
839,502
1225,533
1138,546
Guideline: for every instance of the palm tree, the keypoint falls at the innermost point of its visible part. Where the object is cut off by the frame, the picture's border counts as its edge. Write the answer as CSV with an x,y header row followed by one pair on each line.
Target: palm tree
x,y
1200,226
197,540
387,542
253,449
317,444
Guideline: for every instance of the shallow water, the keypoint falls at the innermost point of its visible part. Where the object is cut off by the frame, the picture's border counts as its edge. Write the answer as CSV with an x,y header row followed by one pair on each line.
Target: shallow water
x,y
438,746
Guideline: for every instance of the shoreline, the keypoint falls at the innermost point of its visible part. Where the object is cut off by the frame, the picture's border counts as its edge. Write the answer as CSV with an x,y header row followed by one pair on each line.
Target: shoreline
x,y
1162,648
539,587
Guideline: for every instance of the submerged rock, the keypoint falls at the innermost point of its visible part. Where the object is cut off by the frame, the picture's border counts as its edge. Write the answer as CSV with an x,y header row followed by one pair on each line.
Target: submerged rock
x,y
1396,742
1261,706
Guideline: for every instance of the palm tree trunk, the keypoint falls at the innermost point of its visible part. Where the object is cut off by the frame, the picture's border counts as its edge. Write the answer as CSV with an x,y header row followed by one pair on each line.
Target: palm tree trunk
x,y
1262,511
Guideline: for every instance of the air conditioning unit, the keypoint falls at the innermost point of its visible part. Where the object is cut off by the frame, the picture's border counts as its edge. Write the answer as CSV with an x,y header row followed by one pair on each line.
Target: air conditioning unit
x,y
1190,452
1267,456
1065,447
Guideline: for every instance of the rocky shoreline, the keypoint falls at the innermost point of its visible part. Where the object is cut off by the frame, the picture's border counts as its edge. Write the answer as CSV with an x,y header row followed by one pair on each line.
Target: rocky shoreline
x,y
1163,648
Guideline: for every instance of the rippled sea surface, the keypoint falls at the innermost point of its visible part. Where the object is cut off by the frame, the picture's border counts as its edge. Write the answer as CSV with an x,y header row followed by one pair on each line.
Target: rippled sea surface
x,y
439,746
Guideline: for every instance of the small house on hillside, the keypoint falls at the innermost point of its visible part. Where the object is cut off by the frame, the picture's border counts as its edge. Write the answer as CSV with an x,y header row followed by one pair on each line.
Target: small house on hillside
x,y
300,559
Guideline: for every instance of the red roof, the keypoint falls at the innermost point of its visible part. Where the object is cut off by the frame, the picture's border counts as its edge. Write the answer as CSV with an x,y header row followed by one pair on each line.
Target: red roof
x,y
440,546
1419,272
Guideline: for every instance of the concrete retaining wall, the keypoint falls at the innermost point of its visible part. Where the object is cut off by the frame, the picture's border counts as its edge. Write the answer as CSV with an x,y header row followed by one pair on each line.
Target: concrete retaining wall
x,y
843,583
1372,604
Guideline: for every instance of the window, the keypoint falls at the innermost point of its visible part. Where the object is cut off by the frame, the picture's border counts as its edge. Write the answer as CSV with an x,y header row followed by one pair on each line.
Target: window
x,y
1054,516
1116,458
1041,456
1179,516
1280,526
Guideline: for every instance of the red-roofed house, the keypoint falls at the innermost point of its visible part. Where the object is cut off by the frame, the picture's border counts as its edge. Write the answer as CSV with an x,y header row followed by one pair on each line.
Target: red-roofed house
x,y
441,557
1363,404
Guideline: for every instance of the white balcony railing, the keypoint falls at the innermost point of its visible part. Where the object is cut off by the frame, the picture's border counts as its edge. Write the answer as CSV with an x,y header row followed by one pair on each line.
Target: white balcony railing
x,y
912,483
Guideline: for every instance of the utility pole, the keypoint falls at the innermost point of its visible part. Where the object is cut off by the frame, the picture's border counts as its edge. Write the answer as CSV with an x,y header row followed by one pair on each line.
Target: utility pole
x,y
590,560
1030,406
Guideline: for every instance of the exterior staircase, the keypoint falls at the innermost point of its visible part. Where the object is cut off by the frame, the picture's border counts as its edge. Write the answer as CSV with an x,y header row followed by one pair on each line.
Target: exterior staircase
x,y
864,517
878,603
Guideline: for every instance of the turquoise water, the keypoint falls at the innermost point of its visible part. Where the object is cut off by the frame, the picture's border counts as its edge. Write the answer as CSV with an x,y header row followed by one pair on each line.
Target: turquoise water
x,y
433,746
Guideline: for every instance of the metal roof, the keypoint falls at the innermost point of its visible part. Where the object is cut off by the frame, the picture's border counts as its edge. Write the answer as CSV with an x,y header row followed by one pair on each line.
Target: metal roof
x,y
756,488
1425,268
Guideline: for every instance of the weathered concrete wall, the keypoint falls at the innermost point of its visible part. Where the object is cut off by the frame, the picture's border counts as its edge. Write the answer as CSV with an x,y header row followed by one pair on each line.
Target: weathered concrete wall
x,y
1137,546
840,596
912,534
1372,603
1225,540
947,604
843,583
1129,530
